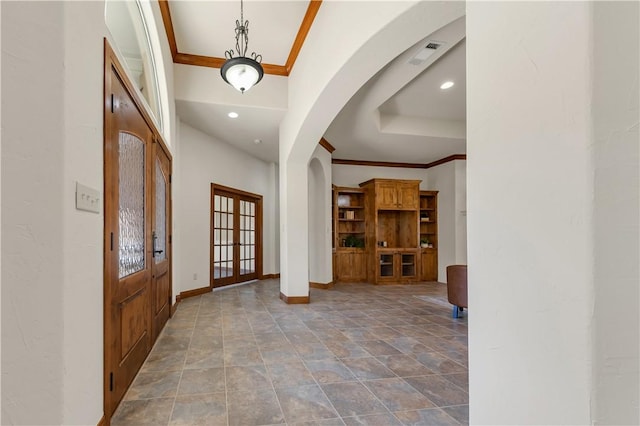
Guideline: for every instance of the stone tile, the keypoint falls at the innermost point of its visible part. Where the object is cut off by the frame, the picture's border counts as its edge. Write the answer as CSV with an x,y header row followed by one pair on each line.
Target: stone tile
x,y
254,407
301,336
347,349
320,422
440,391
378,347
143,412
165,361
208,380
204,358
459,379
172,343
458,356
404,365
154,384
290,374
304,403
242,356
385,333
459,412
270,339
208,342
398,395
438,363
279,355
209,409
408,345
372,420
368,368
358,334
311,351
428,417
353,399
243,378
329,371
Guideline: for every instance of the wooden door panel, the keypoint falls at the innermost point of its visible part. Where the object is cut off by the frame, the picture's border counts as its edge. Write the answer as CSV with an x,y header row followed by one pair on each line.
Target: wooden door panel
x,y
133,327
127,270
161,235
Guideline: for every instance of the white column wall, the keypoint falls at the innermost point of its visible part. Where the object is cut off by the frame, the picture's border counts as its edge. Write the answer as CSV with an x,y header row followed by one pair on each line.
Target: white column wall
x,y
530,200
203,161
33,267
83,232
617,211
320,204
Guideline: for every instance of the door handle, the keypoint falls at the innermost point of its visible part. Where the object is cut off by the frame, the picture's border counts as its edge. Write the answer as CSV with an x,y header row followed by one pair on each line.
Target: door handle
x,y
155,237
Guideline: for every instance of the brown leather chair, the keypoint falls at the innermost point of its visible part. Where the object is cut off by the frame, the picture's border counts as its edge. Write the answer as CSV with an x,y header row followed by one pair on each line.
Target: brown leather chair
x,y
457,288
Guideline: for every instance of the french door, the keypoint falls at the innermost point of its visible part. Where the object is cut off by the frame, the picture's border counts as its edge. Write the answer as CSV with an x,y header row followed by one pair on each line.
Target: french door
x,y
236,236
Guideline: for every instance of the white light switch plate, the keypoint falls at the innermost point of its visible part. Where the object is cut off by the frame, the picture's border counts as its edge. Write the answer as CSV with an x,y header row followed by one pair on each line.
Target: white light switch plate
x,y
87,198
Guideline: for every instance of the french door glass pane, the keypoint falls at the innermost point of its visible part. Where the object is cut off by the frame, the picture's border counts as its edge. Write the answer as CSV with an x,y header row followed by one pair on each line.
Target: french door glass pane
x,y
247,237
160,248
131,204
223,236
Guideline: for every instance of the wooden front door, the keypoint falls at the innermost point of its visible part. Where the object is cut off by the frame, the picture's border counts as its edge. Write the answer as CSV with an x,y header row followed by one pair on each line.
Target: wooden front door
x,y
161,239
127,228
236,236
137,224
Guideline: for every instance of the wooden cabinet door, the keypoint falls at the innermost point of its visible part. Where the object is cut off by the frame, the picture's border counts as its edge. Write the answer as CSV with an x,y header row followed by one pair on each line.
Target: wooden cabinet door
x,y
351,265
359,265
408,265
429,265
387,195
408,196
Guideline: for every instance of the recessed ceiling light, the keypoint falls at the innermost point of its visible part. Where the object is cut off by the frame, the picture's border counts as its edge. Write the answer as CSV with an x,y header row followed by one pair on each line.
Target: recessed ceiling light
x,y
233,114
257,141
446,85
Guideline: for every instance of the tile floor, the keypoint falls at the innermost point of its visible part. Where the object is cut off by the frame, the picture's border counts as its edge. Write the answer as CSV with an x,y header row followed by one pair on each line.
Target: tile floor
x,y
358,354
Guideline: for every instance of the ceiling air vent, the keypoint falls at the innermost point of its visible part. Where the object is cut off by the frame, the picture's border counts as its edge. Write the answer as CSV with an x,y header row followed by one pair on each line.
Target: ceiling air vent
x,y
425,52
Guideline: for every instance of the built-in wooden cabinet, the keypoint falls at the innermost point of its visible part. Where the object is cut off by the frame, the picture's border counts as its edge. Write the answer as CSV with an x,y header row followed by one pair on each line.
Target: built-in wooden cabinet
x,y
378,229
391,215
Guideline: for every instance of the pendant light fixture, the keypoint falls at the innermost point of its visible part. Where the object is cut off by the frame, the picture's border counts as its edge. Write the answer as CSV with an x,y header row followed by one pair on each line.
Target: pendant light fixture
x,y
242,72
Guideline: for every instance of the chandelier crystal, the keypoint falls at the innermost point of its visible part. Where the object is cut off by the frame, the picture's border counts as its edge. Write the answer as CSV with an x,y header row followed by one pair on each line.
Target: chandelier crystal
x,y
240,71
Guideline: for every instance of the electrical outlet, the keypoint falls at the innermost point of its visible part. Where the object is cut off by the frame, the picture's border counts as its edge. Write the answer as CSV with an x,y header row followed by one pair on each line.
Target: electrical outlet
x,y
195,276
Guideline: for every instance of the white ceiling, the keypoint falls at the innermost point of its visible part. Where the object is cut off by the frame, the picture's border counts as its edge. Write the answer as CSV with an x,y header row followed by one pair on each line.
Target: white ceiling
x,y
400,115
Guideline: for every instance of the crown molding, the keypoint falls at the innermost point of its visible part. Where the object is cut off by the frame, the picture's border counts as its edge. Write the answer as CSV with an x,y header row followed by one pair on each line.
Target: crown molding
x,y
400,165
216,62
